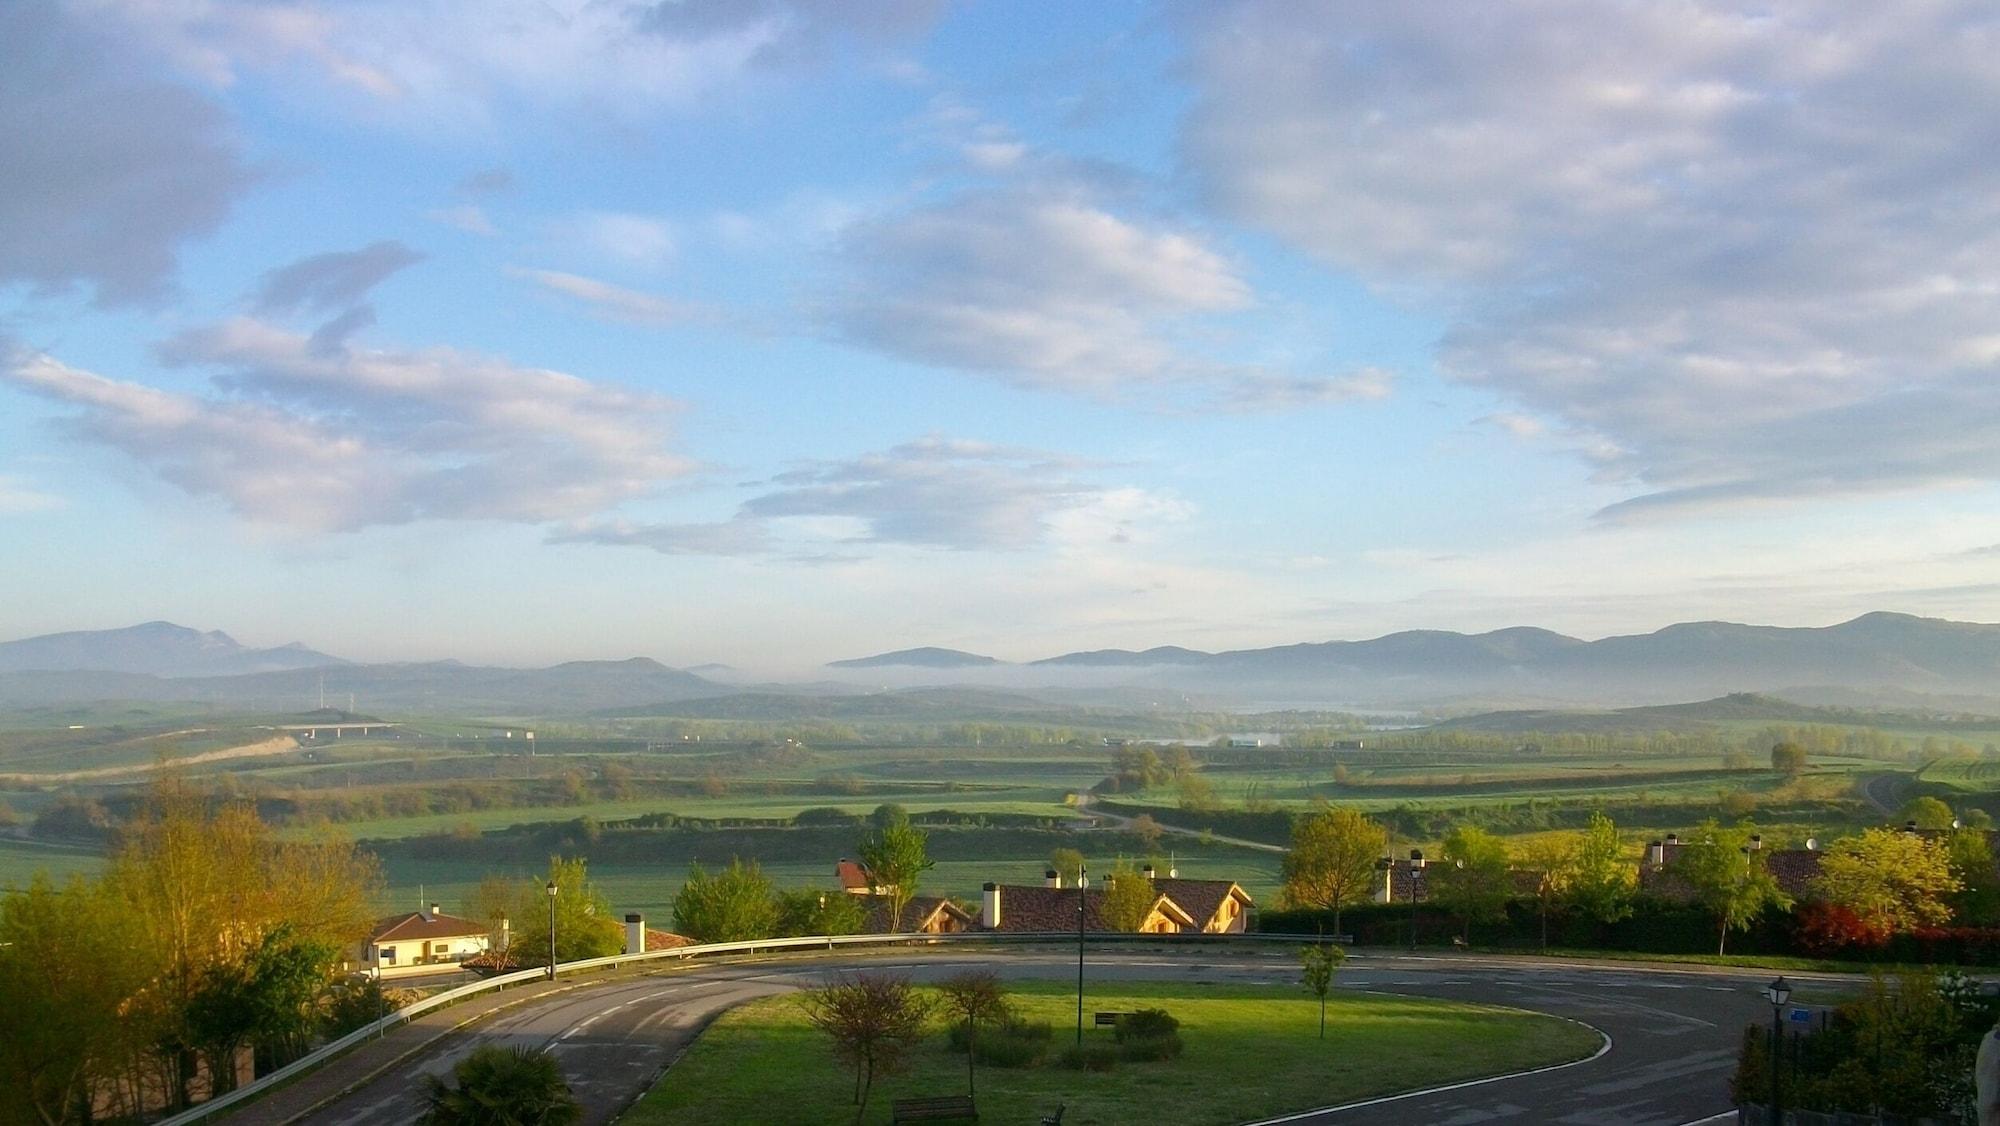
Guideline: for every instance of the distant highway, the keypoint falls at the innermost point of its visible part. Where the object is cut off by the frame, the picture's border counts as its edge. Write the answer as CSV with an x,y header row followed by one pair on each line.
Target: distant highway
x,y
1672,1032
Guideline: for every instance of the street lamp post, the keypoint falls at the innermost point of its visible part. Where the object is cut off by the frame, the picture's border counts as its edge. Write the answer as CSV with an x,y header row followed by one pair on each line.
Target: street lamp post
x,y
1079,954
1416,867
551,889
1777,993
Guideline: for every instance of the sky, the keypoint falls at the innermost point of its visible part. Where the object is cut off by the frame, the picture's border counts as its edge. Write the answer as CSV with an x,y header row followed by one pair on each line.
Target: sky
x,y
772,332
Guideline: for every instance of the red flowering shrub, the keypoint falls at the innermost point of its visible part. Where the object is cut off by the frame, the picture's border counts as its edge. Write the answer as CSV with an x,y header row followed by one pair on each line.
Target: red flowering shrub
x,y
1828,930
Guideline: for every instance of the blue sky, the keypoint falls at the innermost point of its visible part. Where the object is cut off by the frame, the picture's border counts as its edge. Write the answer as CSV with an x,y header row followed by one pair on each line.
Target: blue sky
x,y
778,331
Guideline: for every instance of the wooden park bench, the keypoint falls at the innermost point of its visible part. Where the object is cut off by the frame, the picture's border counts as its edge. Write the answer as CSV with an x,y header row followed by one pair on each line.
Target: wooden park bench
x,y
1102,1020
1459,942
938,1108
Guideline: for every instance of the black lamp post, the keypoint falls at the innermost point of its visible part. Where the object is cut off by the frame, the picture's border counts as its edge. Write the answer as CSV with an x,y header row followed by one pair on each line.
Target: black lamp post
x,y
1777,993
551,889
1079,954
1416,868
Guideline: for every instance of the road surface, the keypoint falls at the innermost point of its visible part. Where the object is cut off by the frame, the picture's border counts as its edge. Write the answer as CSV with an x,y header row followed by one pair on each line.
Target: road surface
x,y
1672,1032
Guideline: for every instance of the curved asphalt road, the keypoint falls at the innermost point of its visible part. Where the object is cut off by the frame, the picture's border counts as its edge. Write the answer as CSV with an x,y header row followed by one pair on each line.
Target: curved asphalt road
x,y
1673,1033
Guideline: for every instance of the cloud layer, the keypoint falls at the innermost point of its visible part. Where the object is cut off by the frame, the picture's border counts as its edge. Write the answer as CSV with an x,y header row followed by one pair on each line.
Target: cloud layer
x,y
1751,252
934,492
304,438
107,169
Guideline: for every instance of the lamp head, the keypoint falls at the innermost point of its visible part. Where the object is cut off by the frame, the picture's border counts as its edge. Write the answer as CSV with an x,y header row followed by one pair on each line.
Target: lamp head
x,y
1778,992
551,889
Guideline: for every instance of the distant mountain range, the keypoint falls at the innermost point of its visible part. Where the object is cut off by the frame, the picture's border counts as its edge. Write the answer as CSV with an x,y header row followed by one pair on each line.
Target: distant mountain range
x,y
155,649
1686,661
925,658
1892,658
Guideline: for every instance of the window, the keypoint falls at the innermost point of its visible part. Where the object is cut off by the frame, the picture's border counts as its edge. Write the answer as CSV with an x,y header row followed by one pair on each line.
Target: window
x,y
386,955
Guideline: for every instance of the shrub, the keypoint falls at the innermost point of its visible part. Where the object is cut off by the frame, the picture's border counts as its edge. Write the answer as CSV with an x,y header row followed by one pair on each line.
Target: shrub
x,y
1165,1046
1011,1043
1090,1057
1146,1024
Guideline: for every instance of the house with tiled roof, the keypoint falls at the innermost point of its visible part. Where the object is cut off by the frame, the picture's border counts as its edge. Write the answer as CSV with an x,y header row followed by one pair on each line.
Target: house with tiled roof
x,y
1051,907
422,938
1216,906
856,879
923,914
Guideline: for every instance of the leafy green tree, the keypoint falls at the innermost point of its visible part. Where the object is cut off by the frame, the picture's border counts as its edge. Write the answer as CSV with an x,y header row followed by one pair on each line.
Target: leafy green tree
x,y
1318,963
1332,860
1892,881
1065,860
1977,903
1603,877
1196,793
1127,899
1472,881
1552,858
68,964
268,1000
813,911
1788,759
734,905
498,1086
585,927
897,853
1928,812
1728,878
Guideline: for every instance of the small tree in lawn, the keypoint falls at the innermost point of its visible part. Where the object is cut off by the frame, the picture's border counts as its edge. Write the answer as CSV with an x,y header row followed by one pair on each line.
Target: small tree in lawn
x,y
1332,861
975,997
1318,963
873,1020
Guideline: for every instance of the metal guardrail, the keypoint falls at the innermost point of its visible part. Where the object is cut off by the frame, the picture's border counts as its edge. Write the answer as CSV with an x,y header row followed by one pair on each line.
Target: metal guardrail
x,y
374,1029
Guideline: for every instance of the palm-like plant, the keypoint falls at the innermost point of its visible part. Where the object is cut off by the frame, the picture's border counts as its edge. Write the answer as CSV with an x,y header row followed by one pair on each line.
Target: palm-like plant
x,y
502,1087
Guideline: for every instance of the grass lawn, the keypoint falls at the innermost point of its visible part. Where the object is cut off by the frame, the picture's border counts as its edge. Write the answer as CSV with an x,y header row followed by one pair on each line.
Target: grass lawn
x,y
1252,1051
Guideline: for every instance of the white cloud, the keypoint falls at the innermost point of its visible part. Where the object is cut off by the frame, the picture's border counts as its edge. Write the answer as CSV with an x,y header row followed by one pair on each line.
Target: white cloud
x,y
934,492
616,302
460,60
341,440
108,168
1754,251
1045,291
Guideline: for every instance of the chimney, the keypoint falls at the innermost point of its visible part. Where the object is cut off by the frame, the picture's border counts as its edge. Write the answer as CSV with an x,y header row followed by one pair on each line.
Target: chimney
x,y
1673,838
635,934
1148,872
1910,826
432,917
506,933
1052,878
1416,859
1756,841
1387,867
1656,854
989,910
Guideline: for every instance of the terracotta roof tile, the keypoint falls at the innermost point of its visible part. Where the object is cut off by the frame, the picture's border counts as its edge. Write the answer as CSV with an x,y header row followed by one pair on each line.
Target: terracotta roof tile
x,y
422,925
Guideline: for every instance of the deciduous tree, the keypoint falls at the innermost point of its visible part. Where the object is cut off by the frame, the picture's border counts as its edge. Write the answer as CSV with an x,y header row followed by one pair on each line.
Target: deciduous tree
x,y
1788,759
897,854
1602,880
1318,963
813,911
585,927
734,905
873,1020
67,968
1472,880
1892,881
973,998
1127,899
1728,878
1332,861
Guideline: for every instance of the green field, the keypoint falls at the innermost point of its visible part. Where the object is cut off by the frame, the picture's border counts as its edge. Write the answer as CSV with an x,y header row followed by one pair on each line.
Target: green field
x,y
1961,776
1251,1052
